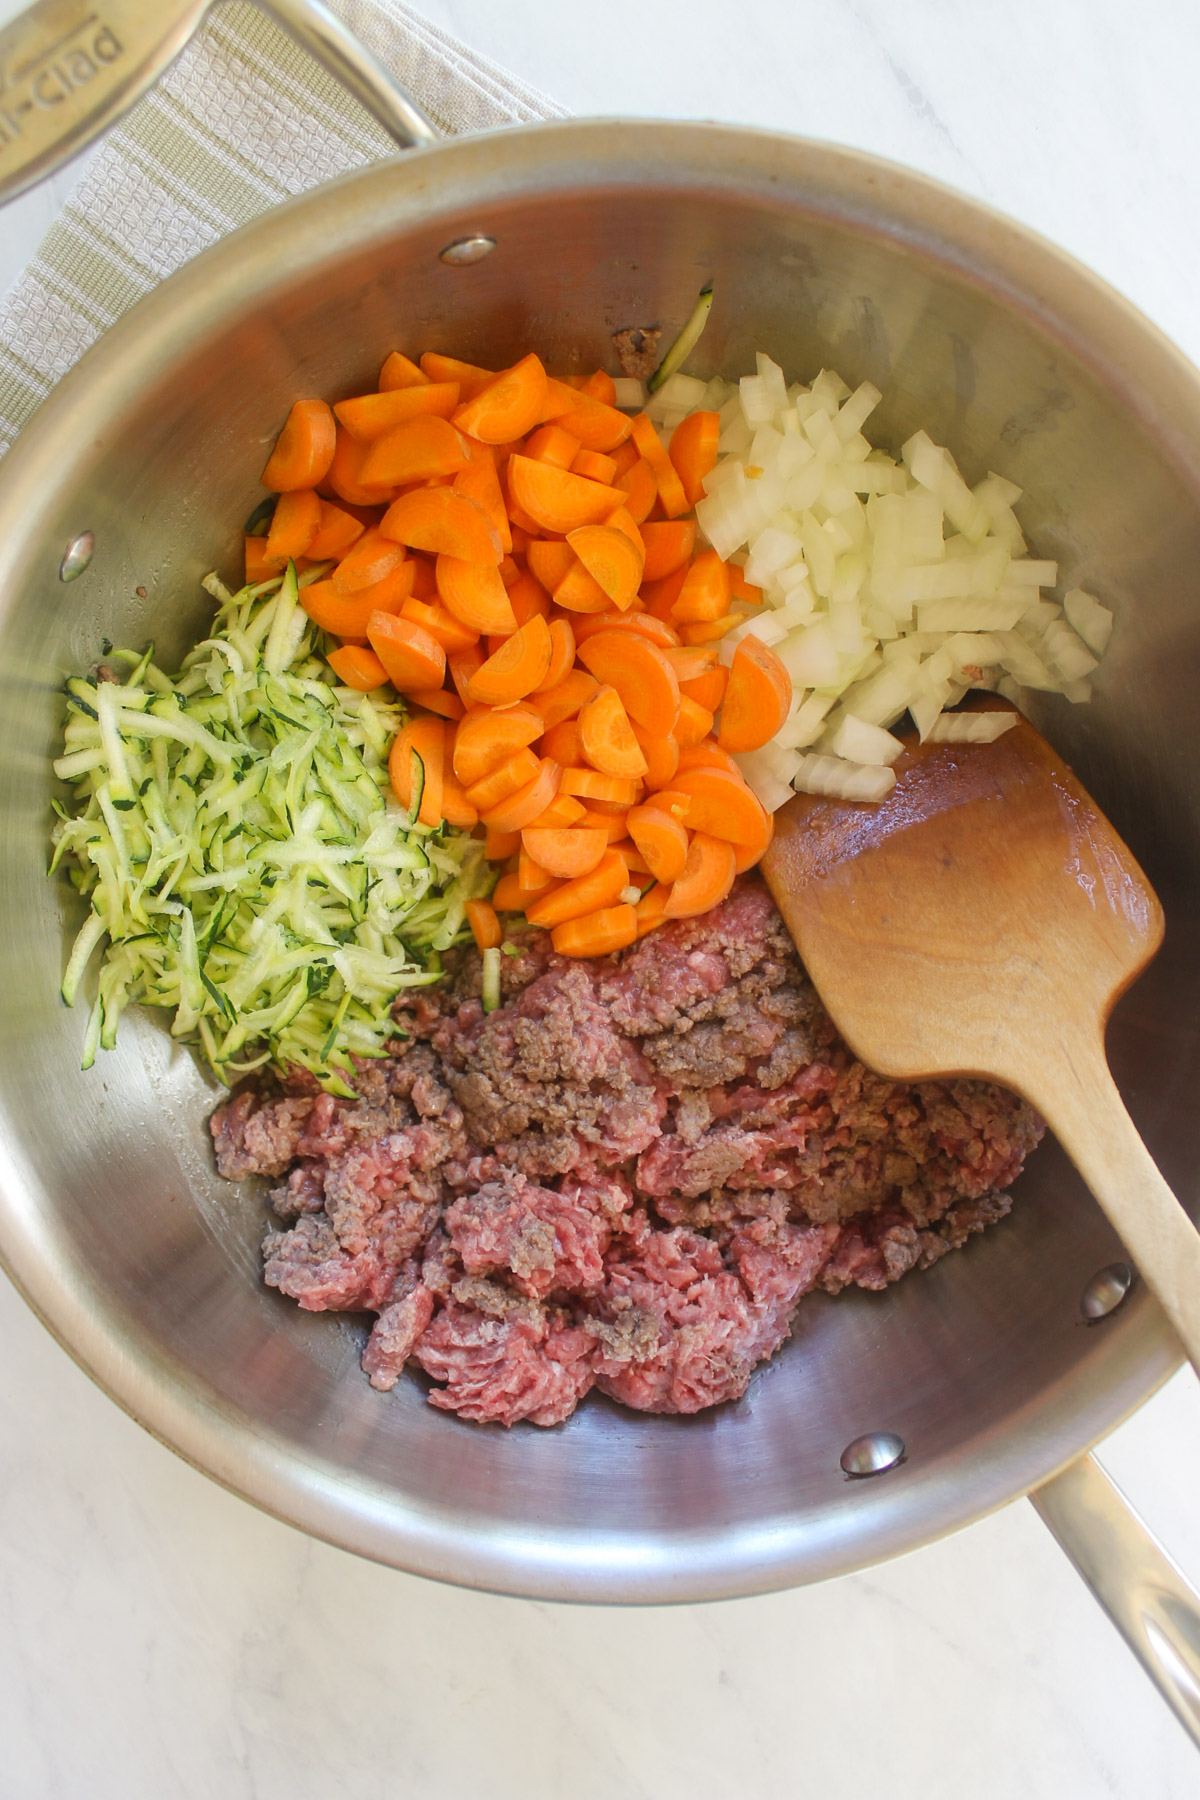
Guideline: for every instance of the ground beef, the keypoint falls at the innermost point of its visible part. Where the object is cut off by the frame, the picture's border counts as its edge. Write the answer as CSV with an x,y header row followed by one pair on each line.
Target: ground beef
x,y
627,1176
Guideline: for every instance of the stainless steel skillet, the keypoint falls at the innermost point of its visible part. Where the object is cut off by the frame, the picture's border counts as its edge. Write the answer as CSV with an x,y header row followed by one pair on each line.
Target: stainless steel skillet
x,y
110,1217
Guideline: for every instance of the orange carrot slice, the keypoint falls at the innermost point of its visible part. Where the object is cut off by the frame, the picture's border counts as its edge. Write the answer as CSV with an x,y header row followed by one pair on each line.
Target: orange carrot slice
x,y
480,482
564,701
562,810
358,667
651,908
530,873
423,448
367,562
498,846
303,450
596,934
556,499
707,755
551,444
640,488
485,739
450,632
469,376
443,523
294,525
502,782
693,450
612,824
709,631
601,386
706,878
669,543
516,668
336,532
661,754
399,372
692,722
525,805
456,808
344,475
565,851
641,674
579,591
670,488
462,664
440,701
596,425
591,463
412,658
485,926
741,589
635,862
348,615
746,855
593,784
549,560
612,558
509,896
475,594
562,654
661,839
602,887
607,737
659,597
757,698
509,406
688,661
721,805
259,566
645,624
369,416
707,690
562,743
427,738
705,591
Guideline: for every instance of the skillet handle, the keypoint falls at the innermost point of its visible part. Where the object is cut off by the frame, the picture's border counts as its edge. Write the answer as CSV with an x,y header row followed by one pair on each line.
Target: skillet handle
x,y
1143,1592
69,69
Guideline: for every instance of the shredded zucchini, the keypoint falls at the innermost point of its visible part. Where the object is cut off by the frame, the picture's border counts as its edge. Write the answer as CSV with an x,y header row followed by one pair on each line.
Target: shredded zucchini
x,y
235,832
686,342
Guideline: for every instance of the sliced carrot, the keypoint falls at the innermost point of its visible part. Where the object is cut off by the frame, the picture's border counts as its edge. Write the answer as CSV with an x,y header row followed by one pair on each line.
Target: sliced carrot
x,y
502,782
509,896
294,525
564,851
549,560
486,739
527,596
706,878
556,499
510,405
475,593
427,738
644,624
412,658
625,455
635,862
562,743
721,805
399,372
367,561
259,566
303,450
419,450
596,425
345,475
469,376
660,596
651,908
693,450
358,667
757,698
741,589
707,690
641,674
670,488
707,755
612,558
690,660
562,654
441,624
498,846
587,893
480,482
591,463
579,591
562,810
612,824
564,701
348,615
462,664
336,532
662,840
621,520
369,416
525,805
443,523
692,722
661,754
530,873
592,784
424,585
600,933
601,386
517,668
670,800
669,543
456,808
606,736
745,855
485,926
440,701
640,487
705,591
709,631
551,444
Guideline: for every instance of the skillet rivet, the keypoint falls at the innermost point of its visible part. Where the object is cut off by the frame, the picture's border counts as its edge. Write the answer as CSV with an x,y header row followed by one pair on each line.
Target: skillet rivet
x,y
77,555
467,250
1105,1291
874,1453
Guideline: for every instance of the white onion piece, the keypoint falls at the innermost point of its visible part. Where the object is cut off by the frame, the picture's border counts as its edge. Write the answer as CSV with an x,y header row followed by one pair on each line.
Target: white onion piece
x,y
970,728
856,741
630,393
839,780
1092,621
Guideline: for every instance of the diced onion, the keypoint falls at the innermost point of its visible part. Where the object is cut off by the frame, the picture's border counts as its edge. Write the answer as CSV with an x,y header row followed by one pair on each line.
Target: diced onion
x,y
971,728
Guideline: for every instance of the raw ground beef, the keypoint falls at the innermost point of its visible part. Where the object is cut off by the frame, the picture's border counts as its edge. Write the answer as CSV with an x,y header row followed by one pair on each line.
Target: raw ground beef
x,y
625,1177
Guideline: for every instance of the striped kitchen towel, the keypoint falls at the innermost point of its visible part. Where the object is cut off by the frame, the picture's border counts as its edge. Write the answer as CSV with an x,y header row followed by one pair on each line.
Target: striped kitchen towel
x,y
242,120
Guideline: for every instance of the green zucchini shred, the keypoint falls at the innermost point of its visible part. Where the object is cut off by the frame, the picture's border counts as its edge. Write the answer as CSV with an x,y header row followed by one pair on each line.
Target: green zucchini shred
x,y
246,863
686,342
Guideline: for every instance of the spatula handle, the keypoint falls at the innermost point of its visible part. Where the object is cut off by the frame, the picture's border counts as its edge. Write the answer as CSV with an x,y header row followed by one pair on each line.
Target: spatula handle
x,y
1087,1115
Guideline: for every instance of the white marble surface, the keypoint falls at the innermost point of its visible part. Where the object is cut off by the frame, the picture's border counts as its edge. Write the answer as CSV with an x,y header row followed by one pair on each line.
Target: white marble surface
x,y
159,1638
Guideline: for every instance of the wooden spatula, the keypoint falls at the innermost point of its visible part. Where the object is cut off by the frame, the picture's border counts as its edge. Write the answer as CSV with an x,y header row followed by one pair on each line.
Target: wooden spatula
x,y
983,921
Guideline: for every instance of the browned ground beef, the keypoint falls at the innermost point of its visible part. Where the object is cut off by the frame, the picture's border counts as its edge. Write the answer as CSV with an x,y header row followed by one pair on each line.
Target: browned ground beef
x,y
625,1177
